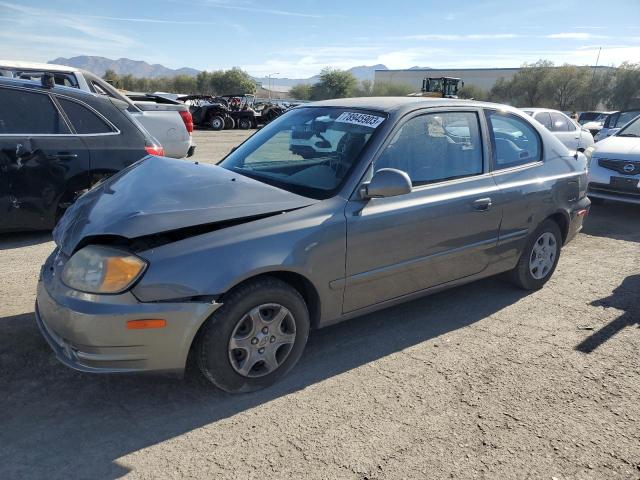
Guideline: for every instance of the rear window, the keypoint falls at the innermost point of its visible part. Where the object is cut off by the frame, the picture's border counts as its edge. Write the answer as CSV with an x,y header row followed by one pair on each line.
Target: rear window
x,y
30,113
83,119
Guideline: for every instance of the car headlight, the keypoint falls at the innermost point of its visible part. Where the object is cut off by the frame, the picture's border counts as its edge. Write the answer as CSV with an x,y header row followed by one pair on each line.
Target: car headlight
x,y
100,269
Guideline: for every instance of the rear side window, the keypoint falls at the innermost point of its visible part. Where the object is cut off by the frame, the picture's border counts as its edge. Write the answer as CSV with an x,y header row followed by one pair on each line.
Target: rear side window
x,y
515,142
545,119
84,120
30,113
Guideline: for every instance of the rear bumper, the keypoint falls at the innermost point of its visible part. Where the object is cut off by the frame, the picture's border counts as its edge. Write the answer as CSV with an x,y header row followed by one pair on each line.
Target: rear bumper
x,y
91,335
576,218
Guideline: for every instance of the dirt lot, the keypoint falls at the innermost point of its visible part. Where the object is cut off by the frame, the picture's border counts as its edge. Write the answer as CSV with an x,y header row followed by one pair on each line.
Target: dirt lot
x,y
483,381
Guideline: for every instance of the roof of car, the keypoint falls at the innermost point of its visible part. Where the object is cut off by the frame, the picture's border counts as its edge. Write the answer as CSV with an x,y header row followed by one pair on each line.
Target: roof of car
x,y
392,104
538,109
35,85
50,67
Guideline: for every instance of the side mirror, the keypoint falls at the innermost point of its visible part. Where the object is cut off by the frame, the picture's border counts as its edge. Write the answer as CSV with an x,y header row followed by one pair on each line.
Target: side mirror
x,y
386,182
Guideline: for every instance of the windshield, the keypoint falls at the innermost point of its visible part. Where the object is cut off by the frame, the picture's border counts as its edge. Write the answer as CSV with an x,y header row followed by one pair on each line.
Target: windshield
x,y
308,151
626,117
631,130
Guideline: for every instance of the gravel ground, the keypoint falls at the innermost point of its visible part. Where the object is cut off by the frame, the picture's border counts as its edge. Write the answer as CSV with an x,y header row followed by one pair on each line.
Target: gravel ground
x,y
483,381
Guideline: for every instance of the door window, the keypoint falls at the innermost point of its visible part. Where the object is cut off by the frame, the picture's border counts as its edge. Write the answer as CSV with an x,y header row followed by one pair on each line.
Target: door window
x,y
29,113
545,119
83,119
515,141
560,123
436,147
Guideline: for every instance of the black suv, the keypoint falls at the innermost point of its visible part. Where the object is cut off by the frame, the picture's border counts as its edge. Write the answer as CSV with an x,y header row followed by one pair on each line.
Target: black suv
x,y
55,142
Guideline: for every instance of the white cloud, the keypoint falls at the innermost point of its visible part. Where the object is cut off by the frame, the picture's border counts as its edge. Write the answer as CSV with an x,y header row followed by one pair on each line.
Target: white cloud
x,y
574,36
453,37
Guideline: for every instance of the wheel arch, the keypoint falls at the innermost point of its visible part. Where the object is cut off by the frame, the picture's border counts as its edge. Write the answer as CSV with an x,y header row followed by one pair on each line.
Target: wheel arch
x,y
298,282
561,218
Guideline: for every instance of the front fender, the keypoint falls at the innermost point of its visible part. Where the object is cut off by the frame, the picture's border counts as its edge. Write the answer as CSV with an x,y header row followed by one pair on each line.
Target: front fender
x,y
309,242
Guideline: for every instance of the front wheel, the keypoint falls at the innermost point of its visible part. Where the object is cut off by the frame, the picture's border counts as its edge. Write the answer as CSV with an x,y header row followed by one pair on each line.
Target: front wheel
x,y
539,258
216,122
255,338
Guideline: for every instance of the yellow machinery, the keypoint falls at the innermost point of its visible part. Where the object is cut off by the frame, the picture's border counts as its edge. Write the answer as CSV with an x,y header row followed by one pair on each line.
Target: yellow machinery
x,y
440,87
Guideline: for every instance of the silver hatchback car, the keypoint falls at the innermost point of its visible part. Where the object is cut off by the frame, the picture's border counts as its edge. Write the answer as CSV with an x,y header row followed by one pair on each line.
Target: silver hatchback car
x,y
335,209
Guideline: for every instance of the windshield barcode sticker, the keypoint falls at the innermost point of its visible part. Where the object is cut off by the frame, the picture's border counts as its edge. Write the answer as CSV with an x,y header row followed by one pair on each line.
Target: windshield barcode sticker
x,y
363,119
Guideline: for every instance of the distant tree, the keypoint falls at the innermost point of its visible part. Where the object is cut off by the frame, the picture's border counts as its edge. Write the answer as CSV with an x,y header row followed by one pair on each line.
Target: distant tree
x,y
301,91
388,89
502,91
472,91
529,84
112,77
334,84
566,85
625,92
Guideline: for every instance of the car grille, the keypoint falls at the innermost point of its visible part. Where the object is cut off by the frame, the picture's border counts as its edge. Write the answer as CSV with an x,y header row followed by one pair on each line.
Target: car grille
x,y
620,165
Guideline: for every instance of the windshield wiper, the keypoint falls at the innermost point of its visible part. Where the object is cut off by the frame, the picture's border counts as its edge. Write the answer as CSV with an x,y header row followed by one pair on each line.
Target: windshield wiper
x,y
628,135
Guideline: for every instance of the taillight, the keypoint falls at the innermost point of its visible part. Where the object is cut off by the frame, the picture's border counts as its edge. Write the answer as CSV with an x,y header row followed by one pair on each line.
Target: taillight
x,y
187,119
154,149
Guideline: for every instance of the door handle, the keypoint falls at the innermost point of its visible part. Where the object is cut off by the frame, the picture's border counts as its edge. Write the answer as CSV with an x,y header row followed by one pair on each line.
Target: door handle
x,y
482,204
64,156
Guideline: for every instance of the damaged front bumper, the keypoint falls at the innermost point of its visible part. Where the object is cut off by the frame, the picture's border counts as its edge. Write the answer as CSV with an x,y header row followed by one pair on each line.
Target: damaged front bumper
x,y
88,332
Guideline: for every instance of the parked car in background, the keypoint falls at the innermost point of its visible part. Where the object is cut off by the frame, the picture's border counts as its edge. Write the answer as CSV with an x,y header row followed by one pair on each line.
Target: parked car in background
x,y
615,121
415,195
594,116
170,124
571,134
54,144
614,172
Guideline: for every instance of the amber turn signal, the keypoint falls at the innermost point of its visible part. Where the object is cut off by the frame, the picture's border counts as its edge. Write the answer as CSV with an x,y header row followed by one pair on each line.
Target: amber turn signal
x,y
146,323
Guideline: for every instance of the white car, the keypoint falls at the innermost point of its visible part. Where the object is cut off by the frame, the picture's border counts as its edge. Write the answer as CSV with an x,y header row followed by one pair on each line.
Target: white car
x,y
614,167
171,125
574,136
614,122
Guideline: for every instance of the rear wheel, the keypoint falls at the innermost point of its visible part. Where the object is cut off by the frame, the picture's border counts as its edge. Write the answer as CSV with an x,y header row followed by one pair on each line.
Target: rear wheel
x,y
216,122
255,338
229,123
244,123
539,258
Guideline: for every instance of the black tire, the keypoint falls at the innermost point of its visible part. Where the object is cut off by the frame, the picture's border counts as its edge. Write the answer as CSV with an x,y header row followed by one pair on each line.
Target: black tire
x,y
216,122
597,201
245,123
229,123
521,275
213,351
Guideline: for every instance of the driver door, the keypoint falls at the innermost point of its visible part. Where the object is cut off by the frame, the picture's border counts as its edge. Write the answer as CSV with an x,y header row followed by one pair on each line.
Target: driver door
x,y
443,230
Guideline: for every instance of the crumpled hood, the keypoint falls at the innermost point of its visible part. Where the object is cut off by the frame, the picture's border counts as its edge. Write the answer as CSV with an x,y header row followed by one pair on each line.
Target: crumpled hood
x,y
623,148
160,194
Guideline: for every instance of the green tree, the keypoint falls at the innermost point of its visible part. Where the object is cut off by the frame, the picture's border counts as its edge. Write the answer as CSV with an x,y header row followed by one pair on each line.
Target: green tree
x,y
111,77
334,84
301,91
502,91
530,85
474,92
626,88
566,85
388,89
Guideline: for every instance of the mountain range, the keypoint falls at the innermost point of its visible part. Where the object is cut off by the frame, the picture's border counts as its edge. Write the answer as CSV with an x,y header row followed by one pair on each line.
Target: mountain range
x,y
123,66
139,68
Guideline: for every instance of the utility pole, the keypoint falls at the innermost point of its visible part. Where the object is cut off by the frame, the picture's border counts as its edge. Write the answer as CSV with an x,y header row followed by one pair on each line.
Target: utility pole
x,y
593,77
269,82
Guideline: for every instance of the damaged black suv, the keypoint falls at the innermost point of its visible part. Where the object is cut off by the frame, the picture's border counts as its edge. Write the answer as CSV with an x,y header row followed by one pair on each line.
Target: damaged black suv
x,y
55,142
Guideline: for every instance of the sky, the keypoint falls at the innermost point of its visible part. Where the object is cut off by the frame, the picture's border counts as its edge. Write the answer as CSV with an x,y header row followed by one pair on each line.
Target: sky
x,y
297,38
